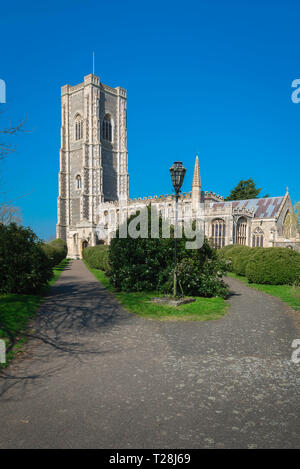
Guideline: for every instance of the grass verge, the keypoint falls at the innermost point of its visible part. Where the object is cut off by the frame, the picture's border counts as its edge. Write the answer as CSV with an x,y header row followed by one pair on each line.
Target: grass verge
x,y
139,303
287,293
16,311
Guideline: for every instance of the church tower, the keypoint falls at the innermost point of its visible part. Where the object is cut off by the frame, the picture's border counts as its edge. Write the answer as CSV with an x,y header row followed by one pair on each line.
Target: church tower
x,y
196,187
93,157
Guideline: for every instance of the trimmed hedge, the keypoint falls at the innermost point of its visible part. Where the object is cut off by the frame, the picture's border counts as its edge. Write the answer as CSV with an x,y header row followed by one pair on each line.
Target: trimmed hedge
x,y
232,255
50,253
60,246
241,260
96,256
56,251
274,266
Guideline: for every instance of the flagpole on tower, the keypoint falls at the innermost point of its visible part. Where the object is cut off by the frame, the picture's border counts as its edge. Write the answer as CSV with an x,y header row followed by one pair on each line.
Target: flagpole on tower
x,y
93,63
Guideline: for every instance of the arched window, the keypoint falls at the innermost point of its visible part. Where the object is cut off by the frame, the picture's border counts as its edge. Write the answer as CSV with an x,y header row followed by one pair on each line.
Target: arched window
x,y
218,232
241,237
258,238
78,127
107,128
78,182
289,225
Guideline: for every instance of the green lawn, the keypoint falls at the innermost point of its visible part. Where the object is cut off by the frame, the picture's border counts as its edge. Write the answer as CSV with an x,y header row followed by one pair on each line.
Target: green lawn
x,y
57,270
287,293
16,312
139,303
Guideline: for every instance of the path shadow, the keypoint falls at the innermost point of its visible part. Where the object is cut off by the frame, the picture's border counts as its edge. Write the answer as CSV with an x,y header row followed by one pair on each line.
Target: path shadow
x,y
75,323
233,293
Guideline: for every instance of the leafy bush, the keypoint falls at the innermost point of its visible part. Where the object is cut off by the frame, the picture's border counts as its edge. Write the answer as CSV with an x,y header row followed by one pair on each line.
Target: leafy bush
x,y
240,261
200,278
231,254
138,264
61,248
24,266
56,251
222,252
50,253
96,256
148,263
275,266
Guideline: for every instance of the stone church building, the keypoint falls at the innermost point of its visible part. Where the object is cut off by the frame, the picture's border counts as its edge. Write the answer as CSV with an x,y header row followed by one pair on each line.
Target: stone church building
x,y
94,183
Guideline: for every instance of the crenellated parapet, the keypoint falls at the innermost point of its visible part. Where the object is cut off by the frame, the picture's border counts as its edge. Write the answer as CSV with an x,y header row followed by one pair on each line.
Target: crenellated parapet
x,y
159,198
212,195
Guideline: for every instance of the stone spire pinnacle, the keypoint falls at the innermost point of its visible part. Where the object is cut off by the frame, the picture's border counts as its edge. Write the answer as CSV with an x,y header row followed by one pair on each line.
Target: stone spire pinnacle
x,y
196,188
196,177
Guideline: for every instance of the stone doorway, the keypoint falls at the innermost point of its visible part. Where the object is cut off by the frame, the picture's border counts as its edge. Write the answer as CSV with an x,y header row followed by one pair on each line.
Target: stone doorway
x,y
84,244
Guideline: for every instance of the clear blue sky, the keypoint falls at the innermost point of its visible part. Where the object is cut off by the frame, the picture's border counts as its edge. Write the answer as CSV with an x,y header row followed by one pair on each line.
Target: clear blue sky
x,y
212,77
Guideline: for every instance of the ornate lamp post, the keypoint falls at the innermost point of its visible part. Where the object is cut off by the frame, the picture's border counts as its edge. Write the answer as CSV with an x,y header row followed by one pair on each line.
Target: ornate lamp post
x,y
177,172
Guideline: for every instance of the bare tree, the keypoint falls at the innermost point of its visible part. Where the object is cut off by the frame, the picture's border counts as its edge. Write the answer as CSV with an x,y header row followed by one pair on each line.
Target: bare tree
x,y
7,148
8,212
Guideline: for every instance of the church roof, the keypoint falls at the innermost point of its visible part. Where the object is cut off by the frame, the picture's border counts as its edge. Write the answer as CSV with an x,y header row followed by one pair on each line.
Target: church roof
x,y
263,208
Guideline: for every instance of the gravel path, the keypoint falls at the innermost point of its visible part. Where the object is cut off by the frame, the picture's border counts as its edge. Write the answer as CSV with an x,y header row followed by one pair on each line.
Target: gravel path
x,y
96,376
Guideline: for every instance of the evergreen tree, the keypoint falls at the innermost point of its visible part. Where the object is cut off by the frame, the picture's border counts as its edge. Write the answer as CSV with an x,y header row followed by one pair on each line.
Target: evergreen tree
x,y
244,190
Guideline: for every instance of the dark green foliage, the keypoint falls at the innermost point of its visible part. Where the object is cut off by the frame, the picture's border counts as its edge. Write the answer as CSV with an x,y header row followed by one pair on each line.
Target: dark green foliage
x,y
50,253
277,266
148,263
274,266
226,248
200,273
60,246
24,266
231,255
241,260
244,190
141,263
96,256
56,251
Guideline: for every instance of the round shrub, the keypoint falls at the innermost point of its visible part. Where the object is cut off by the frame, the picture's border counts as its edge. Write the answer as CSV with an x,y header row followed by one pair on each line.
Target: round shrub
x,y
56,251
241,259
231,253
137,264
61,249
24,266
222,252
96,256
274,266
50,253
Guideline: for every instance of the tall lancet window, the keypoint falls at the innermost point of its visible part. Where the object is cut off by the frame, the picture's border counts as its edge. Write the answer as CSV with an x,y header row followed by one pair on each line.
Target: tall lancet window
x,y
242,231
78,127
218,233
78,182
107,128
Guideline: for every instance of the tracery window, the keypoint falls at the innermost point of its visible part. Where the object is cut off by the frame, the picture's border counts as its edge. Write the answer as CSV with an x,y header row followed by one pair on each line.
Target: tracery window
x,y
218,230
241,237
258,238
288,226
